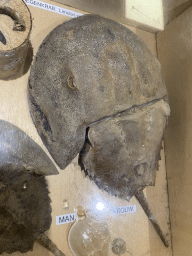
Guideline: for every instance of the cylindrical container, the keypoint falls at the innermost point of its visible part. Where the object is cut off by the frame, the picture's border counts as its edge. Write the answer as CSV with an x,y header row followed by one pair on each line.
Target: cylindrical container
x,y
15,27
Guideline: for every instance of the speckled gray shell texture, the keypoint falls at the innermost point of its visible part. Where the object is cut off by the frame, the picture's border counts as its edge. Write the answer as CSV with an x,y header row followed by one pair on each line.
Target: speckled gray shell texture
x,y
25,210
87,72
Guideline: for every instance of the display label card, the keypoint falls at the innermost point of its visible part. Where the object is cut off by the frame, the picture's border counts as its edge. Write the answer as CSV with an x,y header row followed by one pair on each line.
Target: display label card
x,y
123,210
67,218
53,8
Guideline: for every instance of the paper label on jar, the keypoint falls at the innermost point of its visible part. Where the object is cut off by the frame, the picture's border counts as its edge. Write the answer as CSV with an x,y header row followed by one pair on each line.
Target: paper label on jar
x,y
53,8
123,210
67,218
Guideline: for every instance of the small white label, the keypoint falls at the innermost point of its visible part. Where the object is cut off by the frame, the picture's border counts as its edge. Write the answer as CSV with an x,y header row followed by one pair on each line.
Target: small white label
x,y
123,210
67,218
53,8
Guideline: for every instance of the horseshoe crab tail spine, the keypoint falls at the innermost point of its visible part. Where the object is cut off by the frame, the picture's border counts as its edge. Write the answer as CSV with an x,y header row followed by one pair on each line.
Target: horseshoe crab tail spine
x,y
143,201
48,244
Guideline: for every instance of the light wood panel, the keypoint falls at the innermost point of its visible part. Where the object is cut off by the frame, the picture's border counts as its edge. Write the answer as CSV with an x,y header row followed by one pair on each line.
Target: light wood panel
x,y
175,54
144,14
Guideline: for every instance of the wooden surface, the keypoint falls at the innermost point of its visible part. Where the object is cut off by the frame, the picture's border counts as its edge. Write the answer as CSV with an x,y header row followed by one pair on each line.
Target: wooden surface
x,y
145,14
175,55
71,185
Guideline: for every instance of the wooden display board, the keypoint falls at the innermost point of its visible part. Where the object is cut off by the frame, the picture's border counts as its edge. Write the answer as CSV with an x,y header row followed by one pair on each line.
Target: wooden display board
x,y
174,52
70,187
144,14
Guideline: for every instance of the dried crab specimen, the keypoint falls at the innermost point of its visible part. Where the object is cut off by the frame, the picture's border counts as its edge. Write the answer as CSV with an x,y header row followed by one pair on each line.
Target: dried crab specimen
x,y
25,211
96,89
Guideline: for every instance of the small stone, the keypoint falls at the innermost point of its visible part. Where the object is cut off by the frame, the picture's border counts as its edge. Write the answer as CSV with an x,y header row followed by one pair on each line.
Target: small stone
x,y
118,246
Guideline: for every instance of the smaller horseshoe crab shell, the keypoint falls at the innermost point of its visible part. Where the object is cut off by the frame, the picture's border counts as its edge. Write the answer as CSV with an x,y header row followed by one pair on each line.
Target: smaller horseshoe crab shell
x,y
25,210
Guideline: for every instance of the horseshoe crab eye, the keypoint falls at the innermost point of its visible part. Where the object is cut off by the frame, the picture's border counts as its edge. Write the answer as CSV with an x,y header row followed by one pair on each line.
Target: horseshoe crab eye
x,y
70,82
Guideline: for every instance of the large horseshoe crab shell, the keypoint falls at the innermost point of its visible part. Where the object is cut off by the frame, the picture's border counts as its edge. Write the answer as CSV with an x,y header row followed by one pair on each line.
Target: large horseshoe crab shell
x,y
89,74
